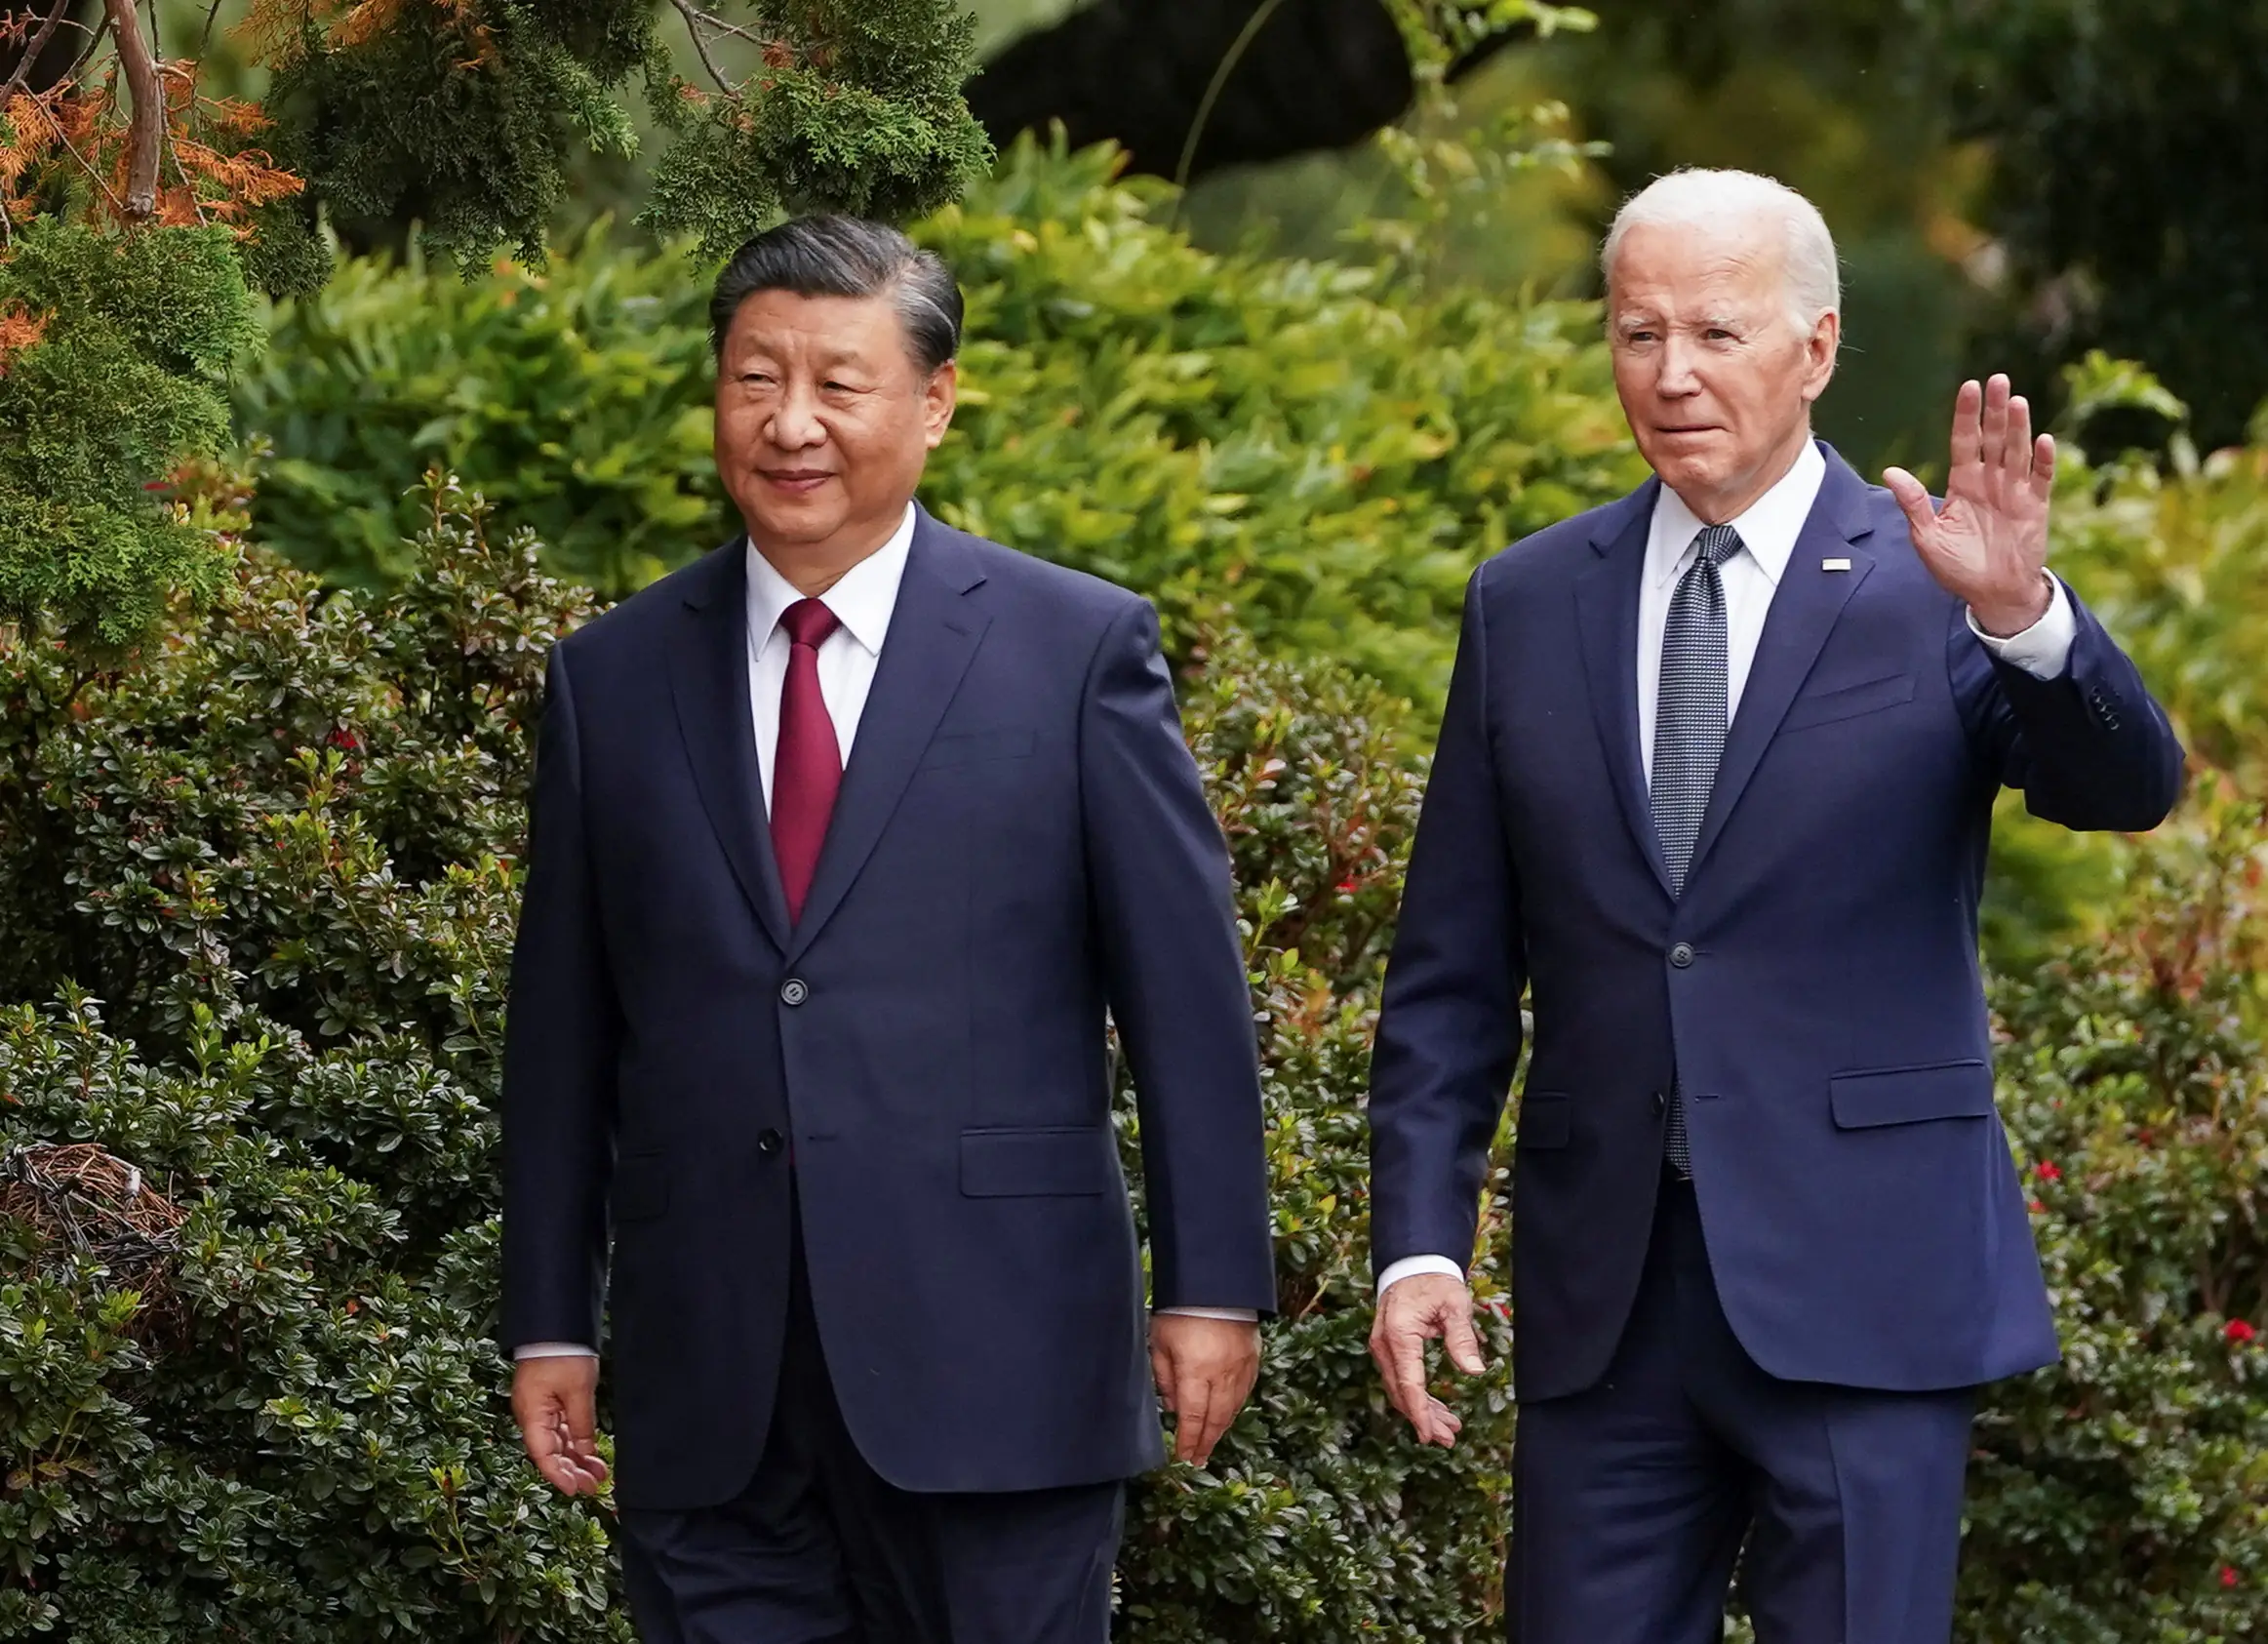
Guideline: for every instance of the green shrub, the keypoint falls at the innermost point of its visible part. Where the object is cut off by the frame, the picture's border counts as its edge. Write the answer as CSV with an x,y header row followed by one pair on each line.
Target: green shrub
x,y
1289,444
111,346
2123,1496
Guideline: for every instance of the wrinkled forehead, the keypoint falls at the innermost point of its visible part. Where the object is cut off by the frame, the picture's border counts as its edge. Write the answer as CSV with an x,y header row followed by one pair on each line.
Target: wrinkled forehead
x,y
1679,269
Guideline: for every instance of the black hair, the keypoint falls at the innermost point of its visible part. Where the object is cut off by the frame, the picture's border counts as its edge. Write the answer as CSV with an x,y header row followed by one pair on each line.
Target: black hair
x,y
828,256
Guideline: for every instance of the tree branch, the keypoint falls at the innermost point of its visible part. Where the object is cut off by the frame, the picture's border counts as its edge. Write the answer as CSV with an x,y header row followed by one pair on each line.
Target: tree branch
x,y
145,136
37,45
694,18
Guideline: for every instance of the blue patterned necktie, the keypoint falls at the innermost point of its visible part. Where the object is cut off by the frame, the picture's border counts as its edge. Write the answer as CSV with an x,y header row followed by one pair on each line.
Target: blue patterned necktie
x,y
1690,720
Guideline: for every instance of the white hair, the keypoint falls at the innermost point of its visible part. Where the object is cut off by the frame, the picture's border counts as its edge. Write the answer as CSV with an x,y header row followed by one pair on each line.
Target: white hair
x,y
1717,199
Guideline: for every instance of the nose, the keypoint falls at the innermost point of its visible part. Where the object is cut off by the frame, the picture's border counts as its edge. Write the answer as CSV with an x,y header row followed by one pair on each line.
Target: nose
x,y
795,422
1676,378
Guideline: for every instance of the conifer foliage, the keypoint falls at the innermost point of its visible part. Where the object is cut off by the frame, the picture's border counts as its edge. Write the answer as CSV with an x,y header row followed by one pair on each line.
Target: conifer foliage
x,y
137,213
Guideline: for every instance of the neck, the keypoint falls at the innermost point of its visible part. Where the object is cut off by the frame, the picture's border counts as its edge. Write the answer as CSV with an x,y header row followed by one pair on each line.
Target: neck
x,y
1723,505
813,567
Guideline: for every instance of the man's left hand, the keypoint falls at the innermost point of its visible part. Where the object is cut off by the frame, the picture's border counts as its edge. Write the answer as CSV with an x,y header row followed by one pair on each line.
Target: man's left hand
x,y
1205,1368
1988,546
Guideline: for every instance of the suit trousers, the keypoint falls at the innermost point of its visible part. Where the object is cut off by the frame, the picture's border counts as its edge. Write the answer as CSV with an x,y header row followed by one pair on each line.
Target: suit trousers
x,y
821,1549
1638,1502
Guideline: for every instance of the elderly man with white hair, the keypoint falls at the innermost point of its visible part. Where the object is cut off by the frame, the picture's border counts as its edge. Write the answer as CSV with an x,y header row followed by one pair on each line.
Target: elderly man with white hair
x,y
1714,791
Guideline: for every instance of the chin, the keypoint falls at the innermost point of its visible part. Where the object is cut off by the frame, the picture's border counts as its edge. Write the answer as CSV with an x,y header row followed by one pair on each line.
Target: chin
x,y
779,520
1683,471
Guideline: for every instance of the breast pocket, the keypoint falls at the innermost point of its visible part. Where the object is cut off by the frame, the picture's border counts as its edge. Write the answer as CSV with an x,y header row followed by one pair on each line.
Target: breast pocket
x,y
1849,702
970,746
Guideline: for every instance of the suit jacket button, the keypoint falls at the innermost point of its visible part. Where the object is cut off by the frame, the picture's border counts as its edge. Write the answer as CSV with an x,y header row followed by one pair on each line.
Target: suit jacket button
x,y
794,990
770,1142
1682,954
1660,1104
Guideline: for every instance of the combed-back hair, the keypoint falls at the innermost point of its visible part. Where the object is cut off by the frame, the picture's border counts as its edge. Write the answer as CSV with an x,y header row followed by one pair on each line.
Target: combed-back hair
x,y
1710,199
828,256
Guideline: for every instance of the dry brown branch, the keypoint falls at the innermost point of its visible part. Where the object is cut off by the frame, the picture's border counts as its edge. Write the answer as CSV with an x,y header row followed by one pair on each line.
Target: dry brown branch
x,y
146,135
23,75
693,17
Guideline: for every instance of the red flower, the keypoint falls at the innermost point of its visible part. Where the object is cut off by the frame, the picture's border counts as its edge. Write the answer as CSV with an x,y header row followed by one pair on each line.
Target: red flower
x,y
2228,1575
2239,1331
2037,1207
2047,1170
1346,886
342,737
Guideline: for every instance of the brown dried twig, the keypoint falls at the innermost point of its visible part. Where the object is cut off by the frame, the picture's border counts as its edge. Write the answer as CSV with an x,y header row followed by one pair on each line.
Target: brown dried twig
x,y
146,134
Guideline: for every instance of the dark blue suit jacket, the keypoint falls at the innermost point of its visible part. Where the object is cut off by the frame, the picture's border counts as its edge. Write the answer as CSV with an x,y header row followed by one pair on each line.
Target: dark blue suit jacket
x,y
1816,986
1021,841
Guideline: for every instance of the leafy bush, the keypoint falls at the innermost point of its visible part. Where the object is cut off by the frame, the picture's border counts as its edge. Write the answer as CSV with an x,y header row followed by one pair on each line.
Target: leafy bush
x,y
2123,1496
111,349
257,1382
1291,443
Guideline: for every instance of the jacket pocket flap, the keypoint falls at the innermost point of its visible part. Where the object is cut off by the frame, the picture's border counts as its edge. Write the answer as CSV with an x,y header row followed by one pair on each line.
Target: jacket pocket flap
x,y
1849,701
1905,1096
1020,1163
972,745
1546,1119
641,1188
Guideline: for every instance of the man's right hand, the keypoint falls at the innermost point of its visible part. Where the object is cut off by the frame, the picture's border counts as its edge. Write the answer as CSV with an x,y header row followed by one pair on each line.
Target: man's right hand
x,y
555,1401
1420,1308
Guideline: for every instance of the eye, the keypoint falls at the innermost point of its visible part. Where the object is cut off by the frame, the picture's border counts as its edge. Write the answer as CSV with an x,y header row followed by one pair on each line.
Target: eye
x,y
1718,333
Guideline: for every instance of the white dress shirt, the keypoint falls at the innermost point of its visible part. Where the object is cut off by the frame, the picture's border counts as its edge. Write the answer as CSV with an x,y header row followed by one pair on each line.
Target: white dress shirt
x,y
1767,529
863,602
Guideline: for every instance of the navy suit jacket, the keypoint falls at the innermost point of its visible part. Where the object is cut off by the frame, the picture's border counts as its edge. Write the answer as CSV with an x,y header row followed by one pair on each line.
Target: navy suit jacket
x,y
1020,840
1816,988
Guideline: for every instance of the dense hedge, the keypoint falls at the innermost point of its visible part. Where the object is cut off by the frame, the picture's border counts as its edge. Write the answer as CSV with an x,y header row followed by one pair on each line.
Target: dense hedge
x,y
1324,457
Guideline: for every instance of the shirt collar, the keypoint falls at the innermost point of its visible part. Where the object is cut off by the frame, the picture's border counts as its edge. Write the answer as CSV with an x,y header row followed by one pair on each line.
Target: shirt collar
x,y
1769,529
862,601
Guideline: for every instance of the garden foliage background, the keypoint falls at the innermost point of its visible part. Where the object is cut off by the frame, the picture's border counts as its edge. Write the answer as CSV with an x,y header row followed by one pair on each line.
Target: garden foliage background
x,y
258,878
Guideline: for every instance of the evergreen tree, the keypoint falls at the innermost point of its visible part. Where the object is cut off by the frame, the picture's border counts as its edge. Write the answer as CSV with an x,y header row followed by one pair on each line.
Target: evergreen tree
x,y
137,213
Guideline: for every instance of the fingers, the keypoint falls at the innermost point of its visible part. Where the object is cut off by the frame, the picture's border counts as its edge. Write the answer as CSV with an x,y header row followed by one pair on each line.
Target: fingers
x,y
1994,424
1912,500
1204,1369
1464,1345
2044,468
1194,1431
1401,1359
1406,1323
554,1401
1968,428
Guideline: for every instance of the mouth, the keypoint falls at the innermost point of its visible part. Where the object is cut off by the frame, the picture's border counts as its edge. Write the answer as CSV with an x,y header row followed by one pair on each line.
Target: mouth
x,y
795,482
1685,431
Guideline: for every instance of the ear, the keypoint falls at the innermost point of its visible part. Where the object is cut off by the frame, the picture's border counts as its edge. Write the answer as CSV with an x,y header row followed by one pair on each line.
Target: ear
x,y
939,395
1820,351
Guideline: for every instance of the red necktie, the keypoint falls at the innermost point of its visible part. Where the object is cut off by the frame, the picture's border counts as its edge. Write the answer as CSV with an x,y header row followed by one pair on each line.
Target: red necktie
x,y
807,766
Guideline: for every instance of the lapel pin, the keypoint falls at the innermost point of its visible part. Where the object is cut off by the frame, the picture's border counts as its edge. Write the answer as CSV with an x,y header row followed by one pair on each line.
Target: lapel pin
x,y
1834,565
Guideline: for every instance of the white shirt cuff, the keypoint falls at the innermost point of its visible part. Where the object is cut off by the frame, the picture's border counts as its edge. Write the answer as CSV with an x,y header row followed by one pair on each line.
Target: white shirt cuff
x,y
1410,1266
2043,650
1234,1315
553,1349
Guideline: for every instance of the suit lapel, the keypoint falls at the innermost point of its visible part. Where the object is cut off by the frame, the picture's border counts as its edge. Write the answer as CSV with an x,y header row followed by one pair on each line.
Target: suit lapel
x,y
934,632
708,679
1606,614
1804,610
